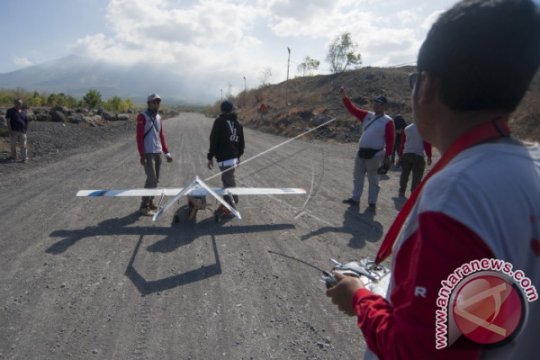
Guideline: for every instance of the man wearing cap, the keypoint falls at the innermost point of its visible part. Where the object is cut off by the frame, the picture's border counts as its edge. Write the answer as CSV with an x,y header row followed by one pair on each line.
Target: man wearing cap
x,y
226,145
17,126
151,144
478,204
376,144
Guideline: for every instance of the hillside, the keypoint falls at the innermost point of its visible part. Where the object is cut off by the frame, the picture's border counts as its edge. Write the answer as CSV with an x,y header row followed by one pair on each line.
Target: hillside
x,y
311,100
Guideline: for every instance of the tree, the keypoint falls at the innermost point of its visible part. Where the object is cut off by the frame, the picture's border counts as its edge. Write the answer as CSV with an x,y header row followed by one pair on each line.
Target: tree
x,y
341,53
308,66
116,104
92,98
36,100
54,100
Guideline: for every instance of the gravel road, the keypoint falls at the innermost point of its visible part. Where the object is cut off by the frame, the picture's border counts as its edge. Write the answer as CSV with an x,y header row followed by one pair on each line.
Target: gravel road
x,y
88,278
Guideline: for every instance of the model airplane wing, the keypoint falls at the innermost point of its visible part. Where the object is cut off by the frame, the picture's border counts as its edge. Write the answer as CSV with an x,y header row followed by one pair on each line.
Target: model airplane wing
x,y
196,188
194,192
260,191
130,192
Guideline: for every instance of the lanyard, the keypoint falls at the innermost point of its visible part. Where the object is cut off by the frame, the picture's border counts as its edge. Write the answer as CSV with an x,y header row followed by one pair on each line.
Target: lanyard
x,y
484,132
154,126
372,121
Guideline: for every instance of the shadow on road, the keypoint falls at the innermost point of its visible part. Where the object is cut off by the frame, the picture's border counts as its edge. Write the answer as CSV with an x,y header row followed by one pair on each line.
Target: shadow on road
x,y
361,226
175,236
146,287
116,226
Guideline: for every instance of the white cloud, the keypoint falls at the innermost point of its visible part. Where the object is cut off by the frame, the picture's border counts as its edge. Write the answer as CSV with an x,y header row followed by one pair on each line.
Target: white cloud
x,y
300,10
22,61
218,39
430,19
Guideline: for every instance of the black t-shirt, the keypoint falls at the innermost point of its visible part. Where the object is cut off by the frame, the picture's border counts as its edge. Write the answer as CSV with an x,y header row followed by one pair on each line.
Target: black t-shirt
x,y
399,122
17,120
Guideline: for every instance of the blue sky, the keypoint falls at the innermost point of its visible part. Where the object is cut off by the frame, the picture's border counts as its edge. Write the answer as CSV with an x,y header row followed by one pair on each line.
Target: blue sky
x,y
218,41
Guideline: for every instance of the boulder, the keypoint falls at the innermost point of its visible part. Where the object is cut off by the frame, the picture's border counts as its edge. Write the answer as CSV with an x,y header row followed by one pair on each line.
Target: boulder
x,y
58,116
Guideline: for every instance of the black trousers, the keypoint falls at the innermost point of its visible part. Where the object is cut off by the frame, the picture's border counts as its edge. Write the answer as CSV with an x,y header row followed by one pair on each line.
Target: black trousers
x,y
228,180
411,163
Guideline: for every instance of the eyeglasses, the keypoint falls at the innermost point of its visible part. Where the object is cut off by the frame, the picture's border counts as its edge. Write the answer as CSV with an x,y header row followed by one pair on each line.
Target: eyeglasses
x,y
413,78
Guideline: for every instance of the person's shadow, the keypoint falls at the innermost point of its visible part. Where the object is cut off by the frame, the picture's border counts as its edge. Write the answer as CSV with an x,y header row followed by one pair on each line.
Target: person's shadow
x,y
361,226
174,236
399,201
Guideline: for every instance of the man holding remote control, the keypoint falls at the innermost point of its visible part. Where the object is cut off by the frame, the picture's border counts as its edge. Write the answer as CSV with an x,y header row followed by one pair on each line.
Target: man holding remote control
x,y
478,205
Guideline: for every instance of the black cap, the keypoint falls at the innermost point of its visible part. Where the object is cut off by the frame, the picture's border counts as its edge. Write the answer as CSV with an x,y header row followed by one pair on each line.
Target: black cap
x,y
227,106
380,100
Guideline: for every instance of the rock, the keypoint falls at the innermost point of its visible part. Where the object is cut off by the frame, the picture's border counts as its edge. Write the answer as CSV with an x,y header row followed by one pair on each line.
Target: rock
x,y
58,116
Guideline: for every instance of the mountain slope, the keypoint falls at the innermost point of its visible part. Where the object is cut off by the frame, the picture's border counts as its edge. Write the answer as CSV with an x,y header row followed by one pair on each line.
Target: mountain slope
x,y
75,75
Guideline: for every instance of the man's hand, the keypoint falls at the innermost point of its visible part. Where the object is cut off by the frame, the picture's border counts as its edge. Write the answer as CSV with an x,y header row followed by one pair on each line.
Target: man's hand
x,y
342,91
143,160
342,293
169,157
210,164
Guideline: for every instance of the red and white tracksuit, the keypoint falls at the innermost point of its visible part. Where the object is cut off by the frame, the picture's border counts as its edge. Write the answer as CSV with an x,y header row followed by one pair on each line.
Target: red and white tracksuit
x,y
484,204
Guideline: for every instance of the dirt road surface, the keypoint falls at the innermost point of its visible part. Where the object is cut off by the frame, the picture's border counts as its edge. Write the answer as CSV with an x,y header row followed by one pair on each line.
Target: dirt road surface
x,y
88,278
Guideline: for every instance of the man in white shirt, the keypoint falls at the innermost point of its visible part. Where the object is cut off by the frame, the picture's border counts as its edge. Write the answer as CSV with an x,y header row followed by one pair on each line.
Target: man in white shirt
x,y
411,157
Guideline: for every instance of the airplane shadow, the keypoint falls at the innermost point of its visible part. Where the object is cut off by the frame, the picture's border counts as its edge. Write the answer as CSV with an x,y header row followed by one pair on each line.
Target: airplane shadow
x,y
361,226
146,287
174,236
191,230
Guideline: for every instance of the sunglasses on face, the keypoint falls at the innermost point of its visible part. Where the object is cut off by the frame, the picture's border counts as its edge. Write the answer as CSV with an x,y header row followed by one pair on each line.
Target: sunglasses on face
x,y
413,78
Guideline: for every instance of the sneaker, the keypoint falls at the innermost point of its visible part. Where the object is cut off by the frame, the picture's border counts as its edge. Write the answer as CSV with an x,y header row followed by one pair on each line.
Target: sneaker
x,y
147,212
350,201
152,206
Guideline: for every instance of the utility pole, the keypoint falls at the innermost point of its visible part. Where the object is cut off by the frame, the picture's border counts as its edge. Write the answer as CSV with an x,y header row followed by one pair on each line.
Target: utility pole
x,y
221,94
287,82
245,91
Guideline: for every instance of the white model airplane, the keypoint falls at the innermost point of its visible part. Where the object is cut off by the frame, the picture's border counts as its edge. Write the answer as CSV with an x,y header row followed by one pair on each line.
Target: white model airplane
x,y
196,193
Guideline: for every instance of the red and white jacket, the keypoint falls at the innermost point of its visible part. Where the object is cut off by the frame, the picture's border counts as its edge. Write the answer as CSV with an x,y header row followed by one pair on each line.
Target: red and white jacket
x,y
378,131
484,204
412,142
154,140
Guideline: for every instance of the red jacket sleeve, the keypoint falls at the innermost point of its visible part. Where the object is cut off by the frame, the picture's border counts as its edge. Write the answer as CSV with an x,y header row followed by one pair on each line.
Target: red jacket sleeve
x,y
360,114
402,144
141,123
405,327
162,138
389,136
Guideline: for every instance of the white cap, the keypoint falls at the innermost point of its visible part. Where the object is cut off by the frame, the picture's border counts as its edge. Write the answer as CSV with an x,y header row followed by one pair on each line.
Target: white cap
x,y
153,97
